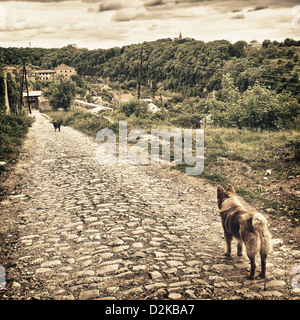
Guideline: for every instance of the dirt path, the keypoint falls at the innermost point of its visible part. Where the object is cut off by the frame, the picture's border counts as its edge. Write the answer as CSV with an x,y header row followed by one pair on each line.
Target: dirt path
x,y
72,229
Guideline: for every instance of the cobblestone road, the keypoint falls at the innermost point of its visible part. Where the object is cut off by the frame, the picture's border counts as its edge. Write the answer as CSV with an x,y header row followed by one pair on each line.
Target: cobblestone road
x,y
78,230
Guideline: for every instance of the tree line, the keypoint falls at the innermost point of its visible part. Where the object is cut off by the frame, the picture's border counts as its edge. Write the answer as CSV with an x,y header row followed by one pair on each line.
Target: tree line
x,y
237,85
189,66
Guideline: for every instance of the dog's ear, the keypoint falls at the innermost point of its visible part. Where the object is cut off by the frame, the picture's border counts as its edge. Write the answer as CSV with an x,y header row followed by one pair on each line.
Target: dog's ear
x,y
230,189
220,192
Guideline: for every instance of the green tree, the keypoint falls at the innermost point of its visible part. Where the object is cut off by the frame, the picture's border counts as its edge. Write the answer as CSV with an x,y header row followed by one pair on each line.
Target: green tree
x,y
62,93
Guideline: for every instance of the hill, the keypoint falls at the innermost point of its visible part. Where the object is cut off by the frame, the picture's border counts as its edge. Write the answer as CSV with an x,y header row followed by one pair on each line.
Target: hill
x,y
188,66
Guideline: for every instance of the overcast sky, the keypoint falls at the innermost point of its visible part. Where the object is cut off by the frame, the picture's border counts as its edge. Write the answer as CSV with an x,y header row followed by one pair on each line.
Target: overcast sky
x,y
104,24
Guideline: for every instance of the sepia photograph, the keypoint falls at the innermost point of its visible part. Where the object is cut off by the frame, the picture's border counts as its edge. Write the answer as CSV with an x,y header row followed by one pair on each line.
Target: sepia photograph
x,y
149,153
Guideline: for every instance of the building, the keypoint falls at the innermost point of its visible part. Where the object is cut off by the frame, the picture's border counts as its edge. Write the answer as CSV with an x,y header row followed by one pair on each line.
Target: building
x,y
51,75
45,75
33,98
180,36
65,70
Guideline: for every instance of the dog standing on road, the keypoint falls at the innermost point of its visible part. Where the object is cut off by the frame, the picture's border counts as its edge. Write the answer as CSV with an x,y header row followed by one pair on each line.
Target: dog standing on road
x,y
248,227
56,125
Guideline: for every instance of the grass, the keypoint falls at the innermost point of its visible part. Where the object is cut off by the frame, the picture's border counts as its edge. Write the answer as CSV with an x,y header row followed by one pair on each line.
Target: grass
x,y
12,131
82,121
242,157
237,156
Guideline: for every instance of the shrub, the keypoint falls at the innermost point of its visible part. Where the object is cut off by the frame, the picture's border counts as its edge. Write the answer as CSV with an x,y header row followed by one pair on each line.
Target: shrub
x,y
258,108
62,94
13,128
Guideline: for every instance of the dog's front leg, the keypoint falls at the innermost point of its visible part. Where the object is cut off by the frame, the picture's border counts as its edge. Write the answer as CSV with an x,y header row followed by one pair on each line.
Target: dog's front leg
x,y
228,239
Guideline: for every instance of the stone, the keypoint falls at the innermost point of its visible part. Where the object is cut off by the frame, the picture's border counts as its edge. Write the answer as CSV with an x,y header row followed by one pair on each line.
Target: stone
x,y
275,284
191,294
155,275
50,264
243,265
296,291
233,284
156,285
222,267
71,260
42,270
174,296
159,254
174,263
16,285
271,294
86,263
89,294
107,269
139,267
137,245
37,261
133,291
120,248
180,284
193,263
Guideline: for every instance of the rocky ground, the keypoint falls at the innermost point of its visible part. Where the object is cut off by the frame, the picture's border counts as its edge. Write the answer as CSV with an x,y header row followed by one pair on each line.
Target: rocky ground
x,y
73,229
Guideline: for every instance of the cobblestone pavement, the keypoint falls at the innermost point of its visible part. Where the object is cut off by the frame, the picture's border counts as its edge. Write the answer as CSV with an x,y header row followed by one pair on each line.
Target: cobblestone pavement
x,y
79,230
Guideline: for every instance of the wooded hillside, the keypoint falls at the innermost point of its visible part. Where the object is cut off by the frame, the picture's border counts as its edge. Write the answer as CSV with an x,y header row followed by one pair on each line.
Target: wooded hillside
x,y
191,67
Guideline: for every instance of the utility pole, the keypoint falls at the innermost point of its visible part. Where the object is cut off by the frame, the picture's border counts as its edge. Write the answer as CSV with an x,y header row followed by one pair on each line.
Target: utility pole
x,y
7,108
140,73
21,89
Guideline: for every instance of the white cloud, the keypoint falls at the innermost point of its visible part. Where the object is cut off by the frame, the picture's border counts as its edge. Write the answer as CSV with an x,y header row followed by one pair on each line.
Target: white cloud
x,y
129,14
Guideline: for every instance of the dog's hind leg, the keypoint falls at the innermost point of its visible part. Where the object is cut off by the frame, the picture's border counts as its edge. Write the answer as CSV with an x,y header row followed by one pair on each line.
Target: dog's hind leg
x,y
240,247
263,265
253,266
228,238
251,252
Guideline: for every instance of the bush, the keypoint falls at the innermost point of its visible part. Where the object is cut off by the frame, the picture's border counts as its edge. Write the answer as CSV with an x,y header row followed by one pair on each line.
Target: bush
x,y
258,108
188,120
62,94
134,107
13,128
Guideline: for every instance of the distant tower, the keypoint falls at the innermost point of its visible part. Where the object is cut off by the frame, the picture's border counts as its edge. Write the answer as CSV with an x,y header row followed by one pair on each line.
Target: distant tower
x,y
29,44
180,36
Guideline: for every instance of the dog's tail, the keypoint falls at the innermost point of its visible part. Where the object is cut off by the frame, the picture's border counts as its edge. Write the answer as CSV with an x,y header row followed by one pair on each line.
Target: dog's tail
x,y
260,224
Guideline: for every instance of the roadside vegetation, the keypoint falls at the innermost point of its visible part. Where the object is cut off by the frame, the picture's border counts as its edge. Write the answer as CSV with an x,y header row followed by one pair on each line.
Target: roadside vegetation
x,y
13,125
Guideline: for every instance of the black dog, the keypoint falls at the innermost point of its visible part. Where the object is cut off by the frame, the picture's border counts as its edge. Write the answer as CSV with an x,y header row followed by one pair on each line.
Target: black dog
x,y
57,125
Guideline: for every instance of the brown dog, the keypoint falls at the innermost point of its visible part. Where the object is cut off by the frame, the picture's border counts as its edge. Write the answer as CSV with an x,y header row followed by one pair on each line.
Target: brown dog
x,y
248,227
